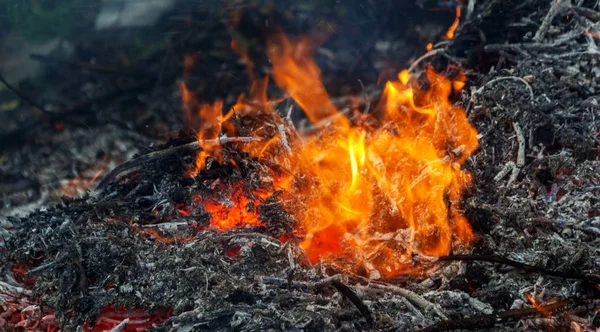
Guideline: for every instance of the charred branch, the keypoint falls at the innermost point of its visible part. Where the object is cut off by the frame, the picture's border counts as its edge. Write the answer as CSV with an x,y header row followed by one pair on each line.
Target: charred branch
x,y
590,279
485,321
135,164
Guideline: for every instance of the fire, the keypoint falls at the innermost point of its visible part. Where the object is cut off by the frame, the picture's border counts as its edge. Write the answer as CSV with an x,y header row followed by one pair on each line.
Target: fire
x,y
210,120
210,117
240,211
375,190
532,300
452,29
296,73
538,306
186,99
592,34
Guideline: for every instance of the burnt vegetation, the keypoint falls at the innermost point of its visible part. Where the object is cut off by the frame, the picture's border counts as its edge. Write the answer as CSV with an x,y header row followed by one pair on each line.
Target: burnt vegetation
x,y
138,250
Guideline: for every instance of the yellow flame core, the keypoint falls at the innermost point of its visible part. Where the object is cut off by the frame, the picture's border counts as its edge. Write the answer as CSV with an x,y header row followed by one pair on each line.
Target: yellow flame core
x,y
356,149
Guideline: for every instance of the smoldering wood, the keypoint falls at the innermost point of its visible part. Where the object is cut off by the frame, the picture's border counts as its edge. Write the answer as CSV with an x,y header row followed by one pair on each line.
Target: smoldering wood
x,y
135,164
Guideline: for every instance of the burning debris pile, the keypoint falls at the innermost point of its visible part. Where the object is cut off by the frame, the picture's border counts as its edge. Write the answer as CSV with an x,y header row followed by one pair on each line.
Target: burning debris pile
x,y
382,216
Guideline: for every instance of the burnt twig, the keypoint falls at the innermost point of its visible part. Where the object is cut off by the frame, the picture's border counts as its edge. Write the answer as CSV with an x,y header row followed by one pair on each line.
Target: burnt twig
x,y
514,78
333,281
482,321
351,295
555,8
421,58
520,154
430,54
411,296
135,164
123,324
592,279
587,12
24,97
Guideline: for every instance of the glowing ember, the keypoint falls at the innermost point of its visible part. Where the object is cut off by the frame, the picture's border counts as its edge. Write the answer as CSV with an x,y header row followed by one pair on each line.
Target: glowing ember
x,y
376,190
137,320
239,211
537,305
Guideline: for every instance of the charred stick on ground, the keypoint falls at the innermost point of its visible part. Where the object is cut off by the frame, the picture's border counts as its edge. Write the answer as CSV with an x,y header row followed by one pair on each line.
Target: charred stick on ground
x,y
483,321
135,164
351,295
591,279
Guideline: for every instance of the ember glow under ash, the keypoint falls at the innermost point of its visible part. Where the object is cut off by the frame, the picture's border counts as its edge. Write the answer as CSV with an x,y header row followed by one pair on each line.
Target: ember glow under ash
x,y
241,210
375,189
137,320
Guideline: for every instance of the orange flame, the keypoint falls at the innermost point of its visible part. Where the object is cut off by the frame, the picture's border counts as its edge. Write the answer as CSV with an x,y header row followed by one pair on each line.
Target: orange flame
x,y
299,76
452,29
410,168
210,118
210,122
537,305
186,102
373,195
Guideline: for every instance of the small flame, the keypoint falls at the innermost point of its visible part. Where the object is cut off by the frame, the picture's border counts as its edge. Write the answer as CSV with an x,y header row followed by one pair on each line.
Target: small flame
x,y
429,47
592,34
210,117
576,327
452,29
537,305
210,122
186,102
299,76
